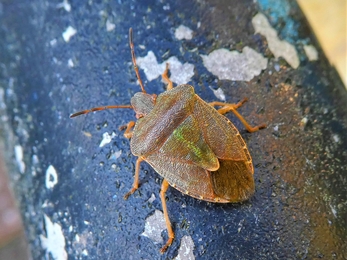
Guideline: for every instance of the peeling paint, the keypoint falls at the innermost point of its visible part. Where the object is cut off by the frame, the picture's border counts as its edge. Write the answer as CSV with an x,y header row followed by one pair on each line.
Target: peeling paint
x,y
54,243
233,65
154,225
51,177
106,139
311,52
183,32
68,33
278,47
18,153
185,251
180,73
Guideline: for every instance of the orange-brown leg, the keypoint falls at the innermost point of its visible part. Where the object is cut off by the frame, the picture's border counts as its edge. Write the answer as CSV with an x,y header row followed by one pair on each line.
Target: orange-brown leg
x,y
128,133
136,178
226,107
166,78
171,234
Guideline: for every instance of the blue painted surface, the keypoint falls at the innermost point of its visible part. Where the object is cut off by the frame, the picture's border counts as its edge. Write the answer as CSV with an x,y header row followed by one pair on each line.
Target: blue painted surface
x,y
279,15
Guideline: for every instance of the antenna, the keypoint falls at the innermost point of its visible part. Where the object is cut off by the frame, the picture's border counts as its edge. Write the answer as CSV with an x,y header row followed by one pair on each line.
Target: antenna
x,y
87,111
134,59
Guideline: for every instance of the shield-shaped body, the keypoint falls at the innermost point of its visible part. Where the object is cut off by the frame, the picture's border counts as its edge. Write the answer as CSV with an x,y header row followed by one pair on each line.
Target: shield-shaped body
x,y
191,145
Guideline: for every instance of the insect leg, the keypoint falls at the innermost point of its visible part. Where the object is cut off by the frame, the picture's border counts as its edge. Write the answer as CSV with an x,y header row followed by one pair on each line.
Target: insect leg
x,y
136,178
128,133
226,107
166,78
171,234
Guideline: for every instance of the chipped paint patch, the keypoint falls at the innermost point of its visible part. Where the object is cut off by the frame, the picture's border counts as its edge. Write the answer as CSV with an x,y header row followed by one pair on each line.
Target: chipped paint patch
x,y
233,65
106,139
219,93
155,224
311,52
69,32
110,26
183,32
278,47
18,153
185,252
54,243
51,177
180,73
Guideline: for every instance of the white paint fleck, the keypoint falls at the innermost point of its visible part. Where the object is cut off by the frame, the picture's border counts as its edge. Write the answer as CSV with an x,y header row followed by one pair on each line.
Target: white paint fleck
x,y
219,93
166,7
183,32
69,32
151,199
311,52
106,138
35,159
65,4
2,99
233,65
185,252
70,63
18,153
277,67
336,138
116,155
180,73
110,26
333,210
303,122
54,243
278,47
53,42
51,177
155,224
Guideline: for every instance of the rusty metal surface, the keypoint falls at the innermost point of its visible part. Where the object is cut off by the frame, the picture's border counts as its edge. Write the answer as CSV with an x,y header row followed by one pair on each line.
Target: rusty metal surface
x,y
72,186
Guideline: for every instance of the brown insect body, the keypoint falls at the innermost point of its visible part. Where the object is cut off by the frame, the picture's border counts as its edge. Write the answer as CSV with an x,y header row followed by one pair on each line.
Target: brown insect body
x,y
195,148
189,143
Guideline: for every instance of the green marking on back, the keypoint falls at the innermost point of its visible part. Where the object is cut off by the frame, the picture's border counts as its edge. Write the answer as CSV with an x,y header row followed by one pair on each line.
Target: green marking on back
x,y
191,146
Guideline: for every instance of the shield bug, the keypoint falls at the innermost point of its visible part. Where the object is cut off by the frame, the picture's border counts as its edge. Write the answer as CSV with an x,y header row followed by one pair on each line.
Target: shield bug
x,y
192,145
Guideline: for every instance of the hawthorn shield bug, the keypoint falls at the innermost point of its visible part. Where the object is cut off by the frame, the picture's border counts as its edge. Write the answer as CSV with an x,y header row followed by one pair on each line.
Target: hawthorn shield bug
x,y
189,143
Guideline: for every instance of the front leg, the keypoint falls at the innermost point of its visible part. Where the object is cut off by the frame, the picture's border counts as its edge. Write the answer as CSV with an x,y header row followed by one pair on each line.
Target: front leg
x,y
136,178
